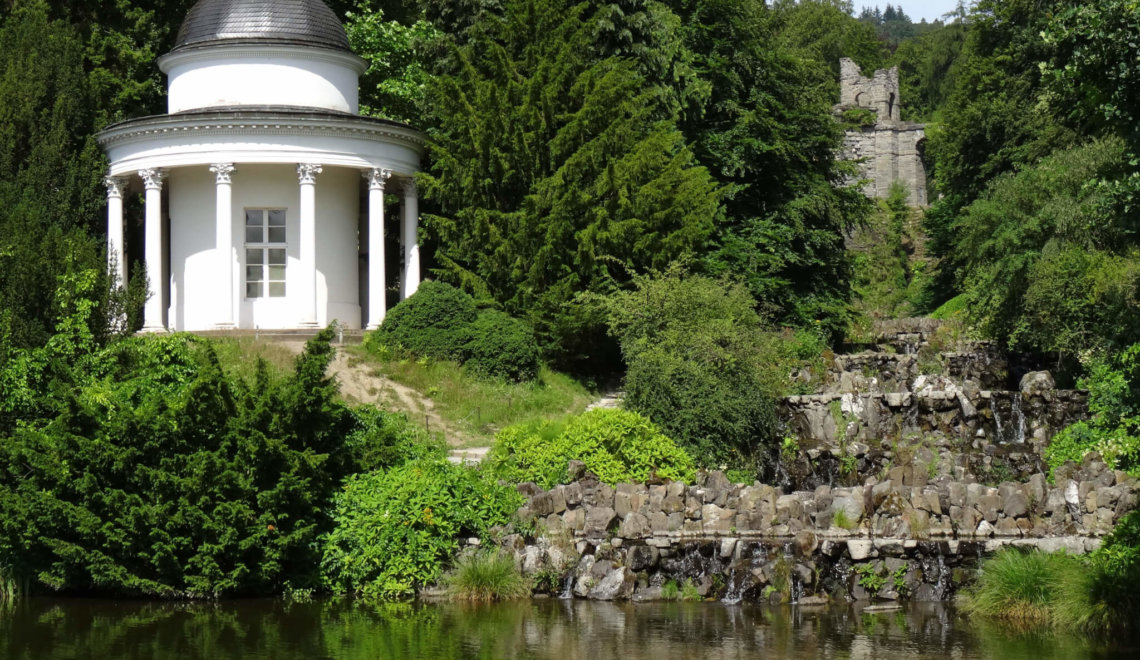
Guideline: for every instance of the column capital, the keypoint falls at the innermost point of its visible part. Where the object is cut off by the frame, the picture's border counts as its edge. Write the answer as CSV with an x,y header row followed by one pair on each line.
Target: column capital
x,y
409,186
377,178
116,186
224,172
307,172
153,178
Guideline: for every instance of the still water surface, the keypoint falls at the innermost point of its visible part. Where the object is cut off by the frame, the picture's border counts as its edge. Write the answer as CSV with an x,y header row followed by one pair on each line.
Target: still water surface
x,y
53,629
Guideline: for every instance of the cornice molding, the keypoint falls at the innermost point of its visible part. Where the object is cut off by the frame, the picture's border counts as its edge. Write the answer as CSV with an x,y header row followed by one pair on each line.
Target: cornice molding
x,y
269,124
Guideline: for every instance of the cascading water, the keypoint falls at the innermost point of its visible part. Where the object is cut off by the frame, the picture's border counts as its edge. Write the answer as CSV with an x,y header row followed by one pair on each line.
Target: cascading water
x,y
567,586
1018,420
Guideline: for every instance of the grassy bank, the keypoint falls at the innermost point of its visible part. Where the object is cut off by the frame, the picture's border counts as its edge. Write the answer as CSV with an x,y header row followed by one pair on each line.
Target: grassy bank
x,y
475,406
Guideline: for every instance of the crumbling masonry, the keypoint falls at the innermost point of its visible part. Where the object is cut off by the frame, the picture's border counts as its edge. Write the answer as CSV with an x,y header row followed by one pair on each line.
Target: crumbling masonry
x,y
891,150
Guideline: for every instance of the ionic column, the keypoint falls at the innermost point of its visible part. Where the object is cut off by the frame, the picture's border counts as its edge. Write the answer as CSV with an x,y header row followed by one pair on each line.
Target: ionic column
x,y
411,210
116,254
224,229
377,179
307,296
155,254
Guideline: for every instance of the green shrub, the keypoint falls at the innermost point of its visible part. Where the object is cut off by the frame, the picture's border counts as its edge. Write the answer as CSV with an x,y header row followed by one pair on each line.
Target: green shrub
x,y
860,117
143,469
701,364
383,439
501,347
617,445
487,576
1115,589
395,529
434,322
1113,429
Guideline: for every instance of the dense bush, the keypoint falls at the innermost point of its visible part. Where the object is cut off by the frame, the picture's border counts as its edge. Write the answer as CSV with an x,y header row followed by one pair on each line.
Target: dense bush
x,y
143,469
501,347
434,322
441,322
383,439
702,365
1115,590
1048,263
395,529
1113,429
616,445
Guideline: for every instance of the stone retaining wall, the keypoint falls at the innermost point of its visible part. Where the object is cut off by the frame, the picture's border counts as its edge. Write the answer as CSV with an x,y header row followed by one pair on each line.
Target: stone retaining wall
x,y
884,539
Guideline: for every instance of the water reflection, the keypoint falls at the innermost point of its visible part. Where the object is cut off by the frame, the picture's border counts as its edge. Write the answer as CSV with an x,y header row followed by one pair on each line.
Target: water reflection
x,y
43,629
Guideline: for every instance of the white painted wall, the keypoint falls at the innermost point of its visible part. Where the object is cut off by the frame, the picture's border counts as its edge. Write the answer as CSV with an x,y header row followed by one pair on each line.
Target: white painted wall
x,y
244,75
195,277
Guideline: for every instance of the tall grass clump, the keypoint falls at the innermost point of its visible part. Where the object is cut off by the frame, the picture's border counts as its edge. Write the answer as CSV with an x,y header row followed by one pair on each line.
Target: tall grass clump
x,y
1032,589
485,577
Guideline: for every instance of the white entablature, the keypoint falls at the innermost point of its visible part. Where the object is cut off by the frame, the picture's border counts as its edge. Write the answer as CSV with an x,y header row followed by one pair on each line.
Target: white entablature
x,y
253,183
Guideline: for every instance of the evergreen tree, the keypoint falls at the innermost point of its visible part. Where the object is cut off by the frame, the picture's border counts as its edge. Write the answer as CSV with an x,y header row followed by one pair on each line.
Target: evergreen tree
x,y
553,172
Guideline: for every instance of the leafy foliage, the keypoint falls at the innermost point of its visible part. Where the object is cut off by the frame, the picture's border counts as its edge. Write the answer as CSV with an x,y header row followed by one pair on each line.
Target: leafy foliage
x,y
393,85
395,529
701,364
434,322
890,276
1113,430
552,172
441,322
501,347
616,445
1043,263
143,469
768,135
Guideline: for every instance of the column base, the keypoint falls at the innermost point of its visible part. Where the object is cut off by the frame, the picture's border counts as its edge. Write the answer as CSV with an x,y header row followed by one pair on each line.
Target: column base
x,y
225,326
308,324
372,326
153,330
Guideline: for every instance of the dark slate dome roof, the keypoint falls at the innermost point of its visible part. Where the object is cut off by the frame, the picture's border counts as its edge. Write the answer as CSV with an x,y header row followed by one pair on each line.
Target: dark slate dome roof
x,y
301,22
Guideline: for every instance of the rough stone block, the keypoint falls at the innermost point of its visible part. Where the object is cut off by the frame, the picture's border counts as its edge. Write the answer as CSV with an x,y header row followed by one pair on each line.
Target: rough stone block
x,y
860,549
575,519
1016,505
598,521
633,526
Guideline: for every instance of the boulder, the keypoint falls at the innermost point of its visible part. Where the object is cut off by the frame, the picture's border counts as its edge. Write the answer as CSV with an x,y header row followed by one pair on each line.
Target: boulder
x,y
1037,381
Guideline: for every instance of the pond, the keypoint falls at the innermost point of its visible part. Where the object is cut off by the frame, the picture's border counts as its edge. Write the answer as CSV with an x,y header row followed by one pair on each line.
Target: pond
x,y
52,629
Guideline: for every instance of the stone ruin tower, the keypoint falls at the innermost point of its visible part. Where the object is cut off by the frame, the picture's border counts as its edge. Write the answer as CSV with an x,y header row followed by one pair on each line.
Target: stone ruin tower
x,y
891,150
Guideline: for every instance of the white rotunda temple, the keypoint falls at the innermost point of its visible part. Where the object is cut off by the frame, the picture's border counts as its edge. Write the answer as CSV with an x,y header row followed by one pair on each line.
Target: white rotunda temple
x,y
255,181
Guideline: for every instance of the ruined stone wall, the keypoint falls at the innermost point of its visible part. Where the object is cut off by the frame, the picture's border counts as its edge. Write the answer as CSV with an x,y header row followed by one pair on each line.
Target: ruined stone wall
x,y
756,542
892,149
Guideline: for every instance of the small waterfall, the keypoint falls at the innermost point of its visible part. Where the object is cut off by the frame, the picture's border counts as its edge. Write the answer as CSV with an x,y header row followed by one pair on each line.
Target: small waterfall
x,y
734,591
1018,420
567,586
797,589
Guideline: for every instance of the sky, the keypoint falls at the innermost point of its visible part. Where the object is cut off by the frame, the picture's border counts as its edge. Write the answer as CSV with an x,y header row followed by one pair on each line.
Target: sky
x,y
916,9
